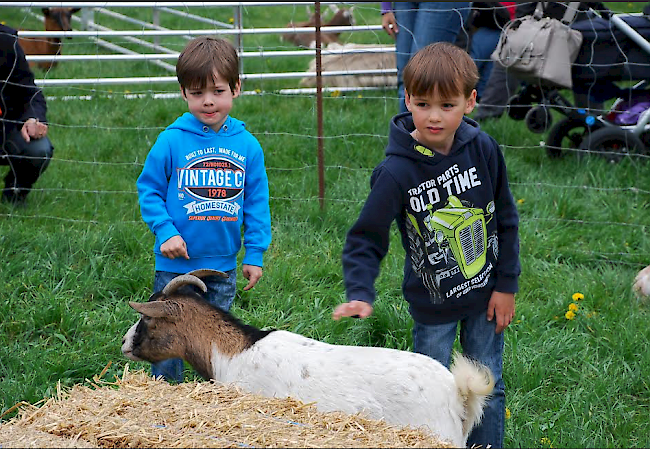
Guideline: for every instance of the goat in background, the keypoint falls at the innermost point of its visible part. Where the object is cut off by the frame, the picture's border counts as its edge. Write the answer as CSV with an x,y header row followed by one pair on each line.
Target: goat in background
x,y
56,19
341,17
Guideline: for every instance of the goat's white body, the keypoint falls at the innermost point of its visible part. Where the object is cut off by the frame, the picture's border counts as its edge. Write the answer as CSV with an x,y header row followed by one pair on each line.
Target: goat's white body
x,y
642,282
401,387
351,62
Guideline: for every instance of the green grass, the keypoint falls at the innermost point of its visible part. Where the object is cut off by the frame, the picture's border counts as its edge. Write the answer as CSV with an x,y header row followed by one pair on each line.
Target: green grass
x,y
79,252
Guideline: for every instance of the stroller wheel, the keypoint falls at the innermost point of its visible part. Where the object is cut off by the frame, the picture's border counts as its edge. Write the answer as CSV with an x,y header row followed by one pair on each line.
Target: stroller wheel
x,y
539,119
613,143
568,133
518,107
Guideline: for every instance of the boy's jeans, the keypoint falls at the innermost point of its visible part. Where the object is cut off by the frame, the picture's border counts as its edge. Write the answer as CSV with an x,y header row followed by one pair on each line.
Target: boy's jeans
x,y
478,340
421,24
221,292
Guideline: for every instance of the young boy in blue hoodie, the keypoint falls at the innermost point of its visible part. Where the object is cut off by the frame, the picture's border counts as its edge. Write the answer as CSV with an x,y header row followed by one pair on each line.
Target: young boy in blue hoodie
x,y
204,179
444,182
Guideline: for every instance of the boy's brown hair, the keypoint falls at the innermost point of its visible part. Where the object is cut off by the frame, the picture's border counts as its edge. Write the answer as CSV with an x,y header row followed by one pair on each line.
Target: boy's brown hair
x,y
441,67
202,57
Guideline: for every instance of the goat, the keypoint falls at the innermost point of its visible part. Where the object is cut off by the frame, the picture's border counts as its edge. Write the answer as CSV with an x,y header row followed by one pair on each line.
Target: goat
x,y
642,283
403,388
341,17
354,61
56,19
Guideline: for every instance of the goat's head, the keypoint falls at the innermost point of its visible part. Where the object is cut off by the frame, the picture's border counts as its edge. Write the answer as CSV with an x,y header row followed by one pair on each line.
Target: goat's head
x,y
341,17
58,19
155,337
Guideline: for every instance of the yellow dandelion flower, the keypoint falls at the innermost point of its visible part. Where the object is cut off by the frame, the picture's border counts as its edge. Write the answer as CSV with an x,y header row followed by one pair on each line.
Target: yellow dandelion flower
x,y
569,315
577,296
545,441
359,96
521,201
336,93
231,20
573,307
3,22
508,413
258,91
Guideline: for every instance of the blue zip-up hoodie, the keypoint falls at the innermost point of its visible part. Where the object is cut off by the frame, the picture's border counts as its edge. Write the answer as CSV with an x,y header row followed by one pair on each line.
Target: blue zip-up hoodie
x,y
204,186
457,219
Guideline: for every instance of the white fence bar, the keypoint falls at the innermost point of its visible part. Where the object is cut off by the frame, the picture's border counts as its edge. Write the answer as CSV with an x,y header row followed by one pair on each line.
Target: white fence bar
x,y
188,15
135,56
172,79
243,31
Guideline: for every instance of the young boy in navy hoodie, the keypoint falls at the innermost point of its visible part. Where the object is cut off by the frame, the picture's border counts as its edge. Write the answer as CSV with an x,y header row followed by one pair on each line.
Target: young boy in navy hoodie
x,y
204,179
444,182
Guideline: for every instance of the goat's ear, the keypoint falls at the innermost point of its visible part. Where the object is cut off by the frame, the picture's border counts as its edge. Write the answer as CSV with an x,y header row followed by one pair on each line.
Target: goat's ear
x,y
157,309
46,11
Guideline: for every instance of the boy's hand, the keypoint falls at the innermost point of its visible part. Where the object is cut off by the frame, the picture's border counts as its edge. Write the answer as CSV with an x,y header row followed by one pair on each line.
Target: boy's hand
x,y
389,24
253,274
501,306
352,308
174,247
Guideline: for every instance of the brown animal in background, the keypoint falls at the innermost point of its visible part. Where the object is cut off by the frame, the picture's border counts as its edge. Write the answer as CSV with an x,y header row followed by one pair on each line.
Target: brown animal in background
x,y
341,17
56,19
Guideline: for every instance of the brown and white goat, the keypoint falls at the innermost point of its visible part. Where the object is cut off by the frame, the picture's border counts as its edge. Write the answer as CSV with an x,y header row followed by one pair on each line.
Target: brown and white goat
x,y
56,19
341,17
400,387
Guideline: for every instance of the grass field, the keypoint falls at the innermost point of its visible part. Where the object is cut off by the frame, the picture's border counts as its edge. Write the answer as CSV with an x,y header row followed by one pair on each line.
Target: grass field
x,y
73,258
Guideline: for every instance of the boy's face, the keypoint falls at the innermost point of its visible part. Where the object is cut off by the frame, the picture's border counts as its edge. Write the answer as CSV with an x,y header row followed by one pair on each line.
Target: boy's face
x,y
212,104
436,119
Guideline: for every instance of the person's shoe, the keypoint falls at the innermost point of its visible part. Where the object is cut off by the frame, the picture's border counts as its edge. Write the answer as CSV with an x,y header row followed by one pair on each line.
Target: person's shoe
x,y
15,197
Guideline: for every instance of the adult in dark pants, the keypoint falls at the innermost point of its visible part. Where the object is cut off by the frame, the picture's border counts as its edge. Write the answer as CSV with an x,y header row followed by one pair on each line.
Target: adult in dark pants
x,y
24,145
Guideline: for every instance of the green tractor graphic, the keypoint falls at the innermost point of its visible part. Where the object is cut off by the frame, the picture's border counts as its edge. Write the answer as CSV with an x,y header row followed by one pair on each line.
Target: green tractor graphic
x,y
454,239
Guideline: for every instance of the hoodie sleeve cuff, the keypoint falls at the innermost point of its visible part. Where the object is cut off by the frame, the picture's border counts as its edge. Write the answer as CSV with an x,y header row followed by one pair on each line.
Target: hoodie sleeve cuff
x,y
507,284
165,232
254,256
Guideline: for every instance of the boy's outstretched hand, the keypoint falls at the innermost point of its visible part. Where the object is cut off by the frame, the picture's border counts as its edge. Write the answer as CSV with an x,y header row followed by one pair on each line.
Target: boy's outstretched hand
x,y
501,307
352,308
253,274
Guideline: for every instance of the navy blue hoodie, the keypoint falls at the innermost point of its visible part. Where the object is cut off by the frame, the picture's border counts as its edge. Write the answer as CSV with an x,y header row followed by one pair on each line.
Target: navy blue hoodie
x,y
457,219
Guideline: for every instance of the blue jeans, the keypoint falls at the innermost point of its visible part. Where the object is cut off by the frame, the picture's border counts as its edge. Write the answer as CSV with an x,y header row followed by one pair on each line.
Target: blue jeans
x,y
478,340
221,293
484,41
420,24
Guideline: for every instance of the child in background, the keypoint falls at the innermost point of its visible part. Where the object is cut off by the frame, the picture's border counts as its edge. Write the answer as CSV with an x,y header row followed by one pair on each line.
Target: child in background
x,y
444,182
204,179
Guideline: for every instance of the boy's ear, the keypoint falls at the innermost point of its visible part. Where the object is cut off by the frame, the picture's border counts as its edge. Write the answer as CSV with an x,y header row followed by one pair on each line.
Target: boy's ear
x,y
237,90
471,102
407,100
183,93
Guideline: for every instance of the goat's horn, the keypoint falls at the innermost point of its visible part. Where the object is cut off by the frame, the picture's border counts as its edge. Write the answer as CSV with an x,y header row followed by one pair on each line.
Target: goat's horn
x,y
181,280
205,272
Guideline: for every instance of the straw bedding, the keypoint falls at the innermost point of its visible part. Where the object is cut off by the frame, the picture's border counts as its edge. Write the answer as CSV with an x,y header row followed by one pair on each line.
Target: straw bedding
x,y
138,411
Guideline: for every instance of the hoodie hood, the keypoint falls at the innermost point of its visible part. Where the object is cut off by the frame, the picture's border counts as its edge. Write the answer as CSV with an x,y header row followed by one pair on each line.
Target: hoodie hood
x,y
188,123
401,143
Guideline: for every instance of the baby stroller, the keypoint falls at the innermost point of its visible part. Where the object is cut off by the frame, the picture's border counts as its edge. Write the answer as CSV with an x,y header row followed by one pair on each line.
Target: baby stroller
x,y
614,50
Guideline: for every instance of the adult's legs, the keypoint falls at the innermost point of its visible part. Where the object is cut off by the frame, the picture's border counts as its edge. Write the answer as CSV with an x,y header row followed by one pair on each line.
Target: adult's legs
x,y
26,161
484,41
420,24
500,87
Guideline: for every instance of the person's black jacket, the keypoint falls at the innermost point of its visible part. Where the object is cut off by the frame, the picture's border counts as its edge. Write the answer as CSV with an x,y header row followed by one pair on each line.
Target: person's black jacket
x,y
20,98
556,10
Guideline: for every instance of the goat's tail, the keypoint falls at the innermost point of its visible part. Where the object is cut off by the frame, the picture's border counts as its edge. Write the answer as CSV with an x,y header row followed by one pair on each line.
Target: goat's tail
x,y
475,384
